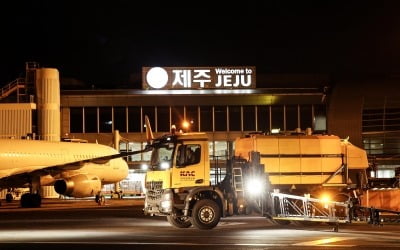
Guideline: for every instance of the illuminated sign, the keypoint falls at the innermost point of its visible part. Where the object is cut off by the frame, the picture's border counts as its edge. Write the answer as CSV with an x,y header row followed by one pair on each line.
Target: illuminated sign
x,y
199,77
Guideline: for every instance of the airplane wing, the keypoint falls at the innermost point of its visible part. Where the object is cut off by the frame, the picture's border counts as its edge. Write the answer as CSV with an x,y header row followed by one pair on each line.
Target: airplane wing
x,y
19,178
98,160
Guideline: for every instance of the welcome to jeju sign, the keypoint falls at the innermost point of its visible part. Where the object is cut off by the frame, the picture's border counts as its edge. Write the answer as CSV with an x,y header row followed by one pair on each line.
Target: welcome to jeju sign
x,y
237,77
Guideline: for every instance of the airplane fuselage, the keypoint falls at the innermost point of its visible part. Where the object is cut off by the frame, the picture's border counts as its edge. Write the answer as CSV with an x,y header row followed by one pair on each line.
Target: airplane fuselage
x,y
25,156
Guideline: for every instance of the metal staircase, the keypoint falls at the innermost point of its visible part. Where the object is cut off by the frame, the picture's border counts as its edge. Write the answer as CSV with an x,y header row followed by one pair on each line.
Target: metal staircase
x,y
16,86
21,87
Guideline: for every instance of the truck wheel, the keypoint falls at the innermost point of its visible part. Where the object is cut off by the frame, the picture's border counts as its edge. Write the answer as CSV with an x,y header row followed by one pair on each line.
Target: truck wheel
x,y
205,214
179,222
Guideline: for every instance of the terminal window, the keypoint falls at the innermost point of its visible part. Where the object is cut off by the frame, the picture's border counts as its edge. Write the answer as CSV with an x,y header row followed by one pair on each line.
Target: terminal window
x,y
220,118
90,120
76,120
249,118
119,119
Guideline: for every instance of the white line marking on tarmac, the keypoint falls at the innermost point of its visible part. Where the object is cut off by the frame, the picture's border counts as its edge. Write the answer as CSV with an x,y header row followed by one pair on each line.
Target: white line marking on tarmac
x,y
324,242
144,243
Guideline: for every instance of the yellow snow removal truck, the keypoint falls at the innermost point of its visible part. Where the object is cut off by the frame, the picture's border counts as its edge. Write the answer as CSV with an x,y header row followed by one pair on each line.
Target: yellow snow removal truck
x,y
283,177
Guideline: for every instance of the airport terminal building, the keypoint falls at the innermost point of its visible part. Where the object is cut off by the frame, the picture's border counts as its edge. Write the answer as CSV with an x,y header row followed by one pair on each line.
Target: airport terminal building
x,y
224,102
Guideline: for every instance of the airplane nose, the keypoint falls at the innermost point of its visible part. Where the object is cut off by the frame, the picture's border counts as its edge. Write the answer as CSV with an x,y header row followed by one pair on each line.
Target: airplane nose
x,y
124,167
120,169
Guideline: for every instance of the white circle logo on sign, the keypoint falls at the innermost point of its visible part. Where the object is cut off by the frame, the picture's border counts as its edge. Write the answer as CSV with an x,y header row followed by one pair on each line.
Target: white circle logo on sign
x,y
157,77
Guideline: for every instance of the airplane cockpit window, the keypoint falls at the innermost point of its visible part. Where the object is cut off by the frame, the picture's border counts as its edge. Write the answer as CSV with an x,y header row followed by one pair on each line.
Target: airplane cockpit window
x,y
188,154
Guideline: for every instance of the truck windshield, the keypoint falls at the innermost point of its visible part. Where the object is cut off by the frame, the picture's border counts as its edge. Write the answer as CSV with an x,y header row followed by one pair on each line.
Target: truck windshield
x,y
161,156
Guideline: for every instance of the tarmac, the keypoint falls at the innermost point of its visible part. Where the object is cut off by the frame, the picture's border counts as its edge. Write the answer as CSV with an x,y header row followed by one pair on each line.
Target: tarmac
x,y
57,203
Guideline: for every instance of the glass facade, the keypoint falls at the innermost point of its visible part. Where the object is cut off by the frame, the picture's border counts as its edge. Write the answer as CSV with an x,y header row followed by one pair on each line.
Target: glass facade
x,y
177,117
119,119
163,117
291,117
220,121
134,119
249,118
150,112
306,116
105,120
277,118
319,118
192,116
76,120
206,118
235,113
90,122
264,118
381,134
209,119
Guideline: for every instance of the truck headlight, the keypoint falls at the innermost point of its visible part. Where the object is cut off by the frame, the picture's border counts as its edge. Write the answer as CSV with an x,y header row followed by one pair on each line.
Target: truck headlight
x,y
166,201
166,205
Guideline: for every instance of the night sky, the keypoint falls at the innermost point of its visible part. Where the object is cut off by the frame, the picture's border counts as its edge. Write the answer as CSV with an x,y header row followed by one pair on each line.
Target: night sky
x,y
106,43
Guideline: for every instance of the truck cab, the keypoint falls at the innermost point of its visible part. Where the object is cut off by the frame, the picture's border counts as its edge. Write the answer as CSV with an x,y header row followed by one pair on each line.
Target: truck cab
x,y
179,180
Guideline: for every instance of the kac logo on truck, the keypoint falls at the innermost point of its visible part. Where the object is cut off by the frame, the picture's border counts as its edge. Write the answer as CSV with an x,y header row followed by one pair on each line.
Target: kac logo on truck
x,y
199,77
187,175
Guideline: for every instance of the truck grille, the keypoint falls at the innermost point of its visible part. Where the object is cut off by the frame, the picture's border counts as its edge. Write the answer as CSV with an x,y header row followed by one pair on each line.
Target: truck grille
x,y
154,190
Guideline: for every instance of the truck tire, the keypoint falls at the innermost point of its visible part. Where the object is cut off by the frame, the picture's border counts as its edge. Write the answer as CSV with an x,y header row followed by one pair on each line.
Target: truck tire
x,y
179,222
205,214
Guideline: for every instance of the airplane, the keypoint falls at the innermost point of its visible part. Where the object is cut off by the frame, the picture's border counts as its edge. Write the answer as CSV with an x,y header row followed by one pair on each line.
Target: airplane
x,y
74,169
